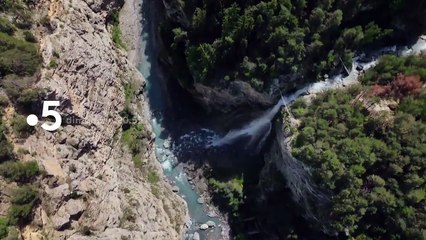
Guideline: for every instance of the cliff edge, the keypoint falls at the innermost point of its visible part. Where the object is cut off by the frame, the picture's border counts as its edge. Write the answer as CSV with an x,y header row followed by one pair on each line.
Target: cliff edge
x,y
92,189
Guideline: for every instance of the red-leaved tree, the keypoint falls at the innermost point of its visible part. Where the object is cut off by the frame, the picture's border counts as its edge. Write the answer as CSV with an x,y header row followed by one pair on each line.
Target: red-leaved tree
x,y
400,87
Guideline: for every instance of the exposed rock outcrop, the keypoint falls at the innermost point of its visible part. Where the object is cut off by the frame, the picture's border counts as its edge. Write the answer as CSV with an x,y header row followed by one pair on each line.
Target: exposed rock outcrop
x,y
238,95
94,191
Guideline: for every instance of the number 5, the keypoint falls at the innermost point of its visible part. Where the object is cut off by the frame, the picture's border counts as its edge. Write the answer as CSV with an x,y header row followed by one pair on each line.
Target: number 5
x,y
46,112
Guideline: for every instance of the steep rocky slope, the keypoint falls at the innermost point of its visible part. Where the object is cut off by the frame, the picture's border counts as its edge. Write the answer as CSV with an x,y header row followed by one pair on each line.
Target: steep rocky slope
x,y
92,189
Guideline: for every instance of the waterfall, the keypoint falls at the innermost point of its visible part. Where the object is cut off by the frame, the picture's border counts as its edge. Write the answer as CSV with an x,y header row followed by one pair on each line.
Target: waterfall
x,y
254,129
258,127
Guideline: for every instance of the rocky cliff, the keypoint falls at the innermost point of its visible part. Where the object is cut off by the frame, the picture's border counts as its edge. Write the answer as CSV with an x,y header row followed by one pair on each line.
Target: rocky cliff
x,y
92,189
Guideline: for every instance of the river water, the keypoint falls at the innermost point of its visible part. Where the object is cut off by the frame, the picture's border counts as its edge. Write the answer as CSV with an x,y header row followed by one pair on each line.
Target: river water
x,y
168,108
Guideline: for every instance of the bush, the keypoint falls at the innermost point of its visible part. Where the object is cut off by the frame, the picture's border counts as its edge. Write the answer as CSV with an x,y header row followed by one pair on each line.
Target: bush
x,y
3,101
53,64
5,5
17,56
23,19
20,126
29,37
18,90
23,201
22,172
6,26
3,228
116,37
132,138
153,177
5,148
231,191
29,97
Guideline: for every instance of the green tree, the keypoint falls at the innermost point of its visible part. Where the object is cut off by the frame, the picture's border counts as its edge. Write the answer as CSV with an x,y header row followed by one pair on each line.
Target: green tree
x,y
201,61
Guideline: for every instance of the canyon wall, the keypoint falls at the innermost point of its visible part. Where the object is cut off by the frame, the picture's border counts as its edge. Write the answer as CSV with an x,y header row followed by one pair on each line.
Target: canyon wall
x,y
92,189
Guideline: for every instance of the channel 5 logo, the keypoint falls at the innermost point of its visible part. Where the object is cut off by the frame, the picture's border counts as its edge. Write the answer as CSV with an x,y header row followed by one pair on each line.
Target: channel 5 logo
x,y
47,112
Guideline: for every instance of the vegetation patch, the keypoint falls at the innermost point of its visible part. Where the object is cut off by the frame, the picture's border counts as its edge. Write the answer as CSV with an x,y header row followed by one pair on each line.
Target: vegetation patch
x,y
228,192
23,200
17,56
17,171
133,137
372,165
114,20
3,228
389,66
20,126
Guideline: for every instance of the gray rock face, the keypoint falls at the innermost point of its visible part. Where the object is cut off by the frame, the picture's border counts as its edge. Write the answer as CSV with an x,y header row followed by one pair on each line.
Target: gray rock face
x,y
238,95
94,183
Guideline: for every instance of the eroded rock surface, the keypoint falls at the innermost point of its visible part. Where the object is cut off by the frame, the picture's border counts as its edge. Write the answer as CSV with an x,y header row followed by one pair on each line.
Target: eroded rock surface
x,y
94,191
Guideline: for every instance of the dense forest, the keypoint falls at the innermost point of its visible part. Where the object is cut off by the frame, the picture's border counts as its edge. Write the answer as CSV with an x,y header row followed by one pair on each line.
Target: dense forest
x,y
215,42
366,146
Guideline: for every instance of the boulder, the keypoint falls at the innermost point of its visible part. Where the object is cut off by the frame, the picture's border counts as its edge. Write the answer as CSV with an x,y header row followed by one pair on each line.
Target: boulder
x,y
74,207
166,144
175,189
204,226
211,224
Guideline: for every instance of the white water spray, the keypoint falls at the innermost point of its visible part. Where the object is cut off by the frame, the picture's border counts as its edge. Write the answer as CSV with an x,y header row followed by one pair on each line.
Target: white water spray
x,y
253,129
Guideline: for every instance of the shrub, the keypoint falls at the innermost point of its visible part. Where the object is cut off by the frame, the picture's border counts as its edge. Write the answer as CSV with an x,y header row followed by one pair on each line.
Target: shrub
x,y
5,5
3,228
23,19
29,97
53,64
29,37
23,201
18,90
20,126
137,161
5,148
132,138
116,37
6,26
22,172
17,56
231,191
153,177
129,92
3,101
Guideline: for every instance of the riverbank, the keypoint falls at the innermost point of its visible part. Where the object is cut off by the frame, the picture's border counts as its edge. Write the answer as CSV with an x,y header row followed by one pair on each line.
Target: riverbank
x,y
131,26
139,36
198,181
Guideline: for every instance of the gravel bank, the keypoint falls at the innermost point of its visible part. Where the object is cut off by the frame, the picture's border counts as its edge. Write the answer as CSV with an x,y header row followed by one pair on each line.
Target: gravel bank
x,y
131,28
